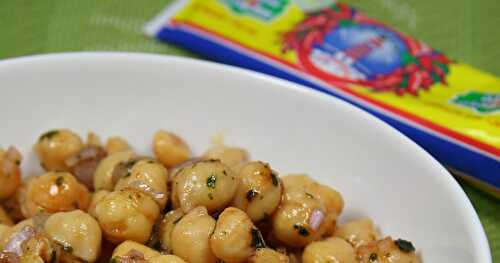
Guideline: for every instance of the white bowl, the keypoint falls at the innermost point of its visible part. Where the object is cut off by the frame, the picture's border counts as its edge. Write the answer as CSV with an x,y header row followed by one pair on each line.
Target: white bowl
x,y
381,173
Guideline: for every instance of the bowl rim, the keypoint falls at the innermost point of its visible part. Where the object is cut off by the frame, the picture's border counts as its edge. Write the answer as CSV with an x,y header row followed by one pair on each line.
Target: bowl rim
x,y
445,179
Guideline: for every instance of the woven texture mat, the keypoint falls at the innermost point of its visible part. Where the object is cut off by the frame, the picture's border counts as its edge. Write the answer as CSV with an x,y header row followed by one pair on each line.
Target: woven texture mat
x,y
464,29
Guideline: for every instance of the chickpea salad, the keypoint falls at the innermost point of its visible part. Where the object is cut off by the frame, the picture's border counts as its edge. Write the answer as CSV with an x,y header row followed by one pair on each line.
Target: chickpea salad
x,y
103,202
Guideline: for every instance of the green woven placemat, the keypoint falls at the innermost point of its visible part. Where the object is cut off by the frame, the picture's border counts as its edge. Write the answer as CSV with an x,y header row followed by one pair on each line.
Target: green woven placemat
x,y
466,30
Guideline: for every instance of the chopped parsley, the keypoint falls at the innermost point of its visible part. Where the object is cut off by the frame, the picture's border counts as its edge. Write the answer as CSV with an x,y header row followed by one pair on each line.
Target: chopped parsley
x,y
48,135
405,246
211,181
274,178
373,257
257,239
301,229
251,194
59,180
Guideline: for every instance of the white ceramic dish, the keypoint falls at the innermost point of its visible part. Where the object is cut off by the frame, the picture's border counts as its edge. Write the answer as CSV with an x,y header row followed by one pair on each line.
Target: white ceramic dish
x,y
380,173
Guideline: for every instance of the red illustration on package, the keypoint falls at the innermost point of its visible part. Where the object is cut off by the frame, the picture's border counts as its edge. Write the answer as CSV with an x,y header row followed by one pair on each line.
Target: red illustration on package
x,y
339,44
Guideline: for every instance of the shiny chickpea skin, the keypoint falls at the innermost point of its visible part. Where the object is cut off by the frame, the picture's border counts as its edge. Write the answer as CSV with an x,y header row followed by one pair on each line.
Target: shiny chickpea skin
x,y
388,251
329,250
8,233
10,172
165,228
116,144
5,218
170,149
55,147
103,177
95,199
192,237
206,183
332,199
148,176
299,187
233,157
124,249
358,232
267,255
53,192
130,251
77,232
235,237
259,190
301,217
166,259
127,214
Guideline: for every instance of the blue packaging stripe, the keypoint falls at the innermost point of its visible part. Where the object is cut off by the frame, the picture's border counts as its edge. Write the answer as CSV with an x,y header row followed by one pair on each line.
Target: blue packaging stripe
x,y
449,153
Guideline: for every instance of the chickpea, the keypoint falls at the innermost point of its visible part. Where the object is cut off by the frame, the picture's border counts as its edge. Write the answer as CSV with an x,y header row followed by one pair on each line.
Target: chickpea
x,y
55,147
267,255
93,139
129,249
259,191
77,232
192,237
5,218
165,228
302,216
332,199
103,177
166,259
127,214
96,198
10,173
116,144
12,205
170,149
388,250
235,237
148,176
206,183
358,232
10,232
38,248
53,192
4,230
230,156
329,250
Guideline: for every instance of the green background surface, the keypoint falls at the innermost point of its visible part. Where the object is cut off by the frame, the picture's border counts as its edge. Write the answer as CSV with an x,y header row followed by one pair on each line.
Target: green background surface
x,y
464,29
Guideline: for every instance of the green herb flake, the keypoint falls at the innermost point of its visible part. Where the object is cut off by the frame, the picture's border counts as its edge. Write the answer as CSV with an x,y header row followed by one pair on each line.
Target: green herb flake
x,y
211,181
274,178
404,245
373,257
251,194
68,249
59,180
257,239
301,229
48,135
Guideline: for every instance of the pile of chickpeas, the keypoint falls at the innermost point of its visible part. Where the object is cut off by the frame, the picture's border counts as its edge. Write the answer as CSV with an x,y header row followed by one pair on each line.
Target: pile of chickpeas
x,y
103,202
